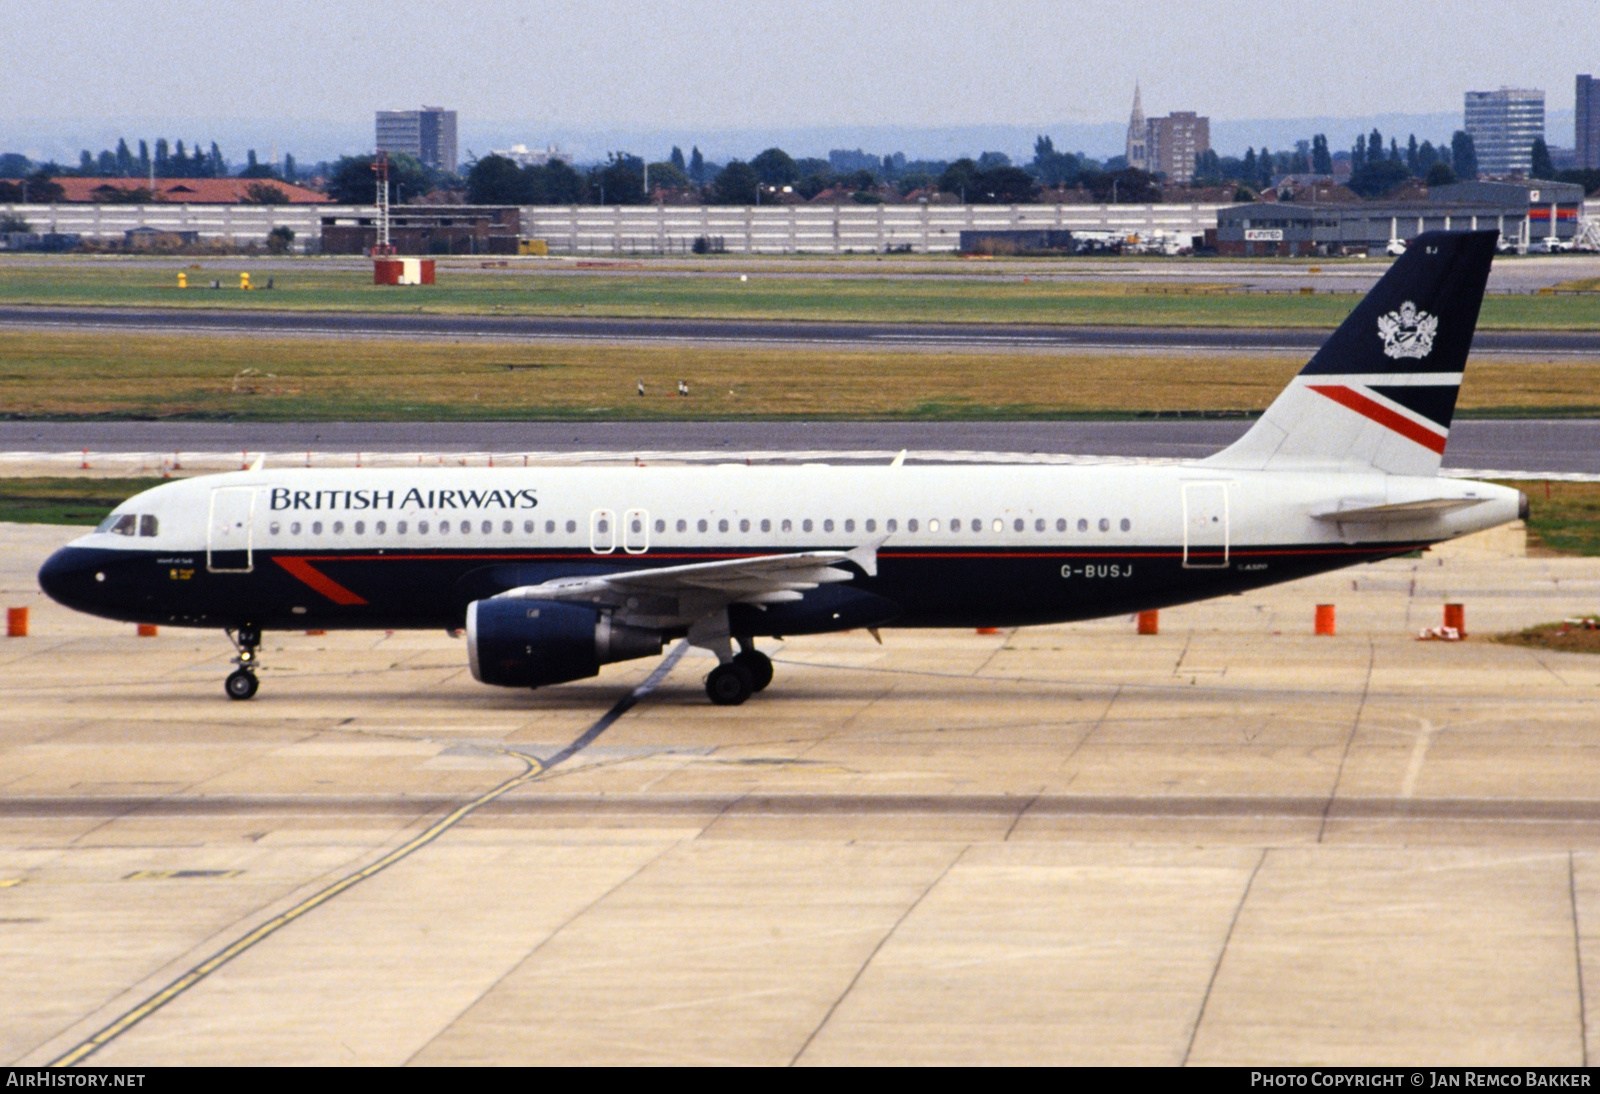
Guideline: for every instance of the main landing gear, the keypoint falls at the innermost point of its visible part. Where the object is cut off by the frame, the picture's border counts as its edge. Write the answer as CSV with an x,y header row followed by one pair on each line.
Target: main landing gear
x,y
241,682
732,682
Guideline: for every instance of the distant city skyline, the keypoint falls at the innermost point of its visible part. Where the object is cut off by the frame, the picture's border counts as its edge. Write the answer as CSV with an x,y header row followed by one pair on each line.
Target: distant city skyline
x,y
605,70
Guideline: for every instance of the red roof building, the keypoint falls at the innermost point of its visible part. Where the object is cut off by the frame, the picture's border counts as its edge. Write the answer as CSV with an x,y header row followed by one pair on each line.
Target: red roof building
x,y
192,191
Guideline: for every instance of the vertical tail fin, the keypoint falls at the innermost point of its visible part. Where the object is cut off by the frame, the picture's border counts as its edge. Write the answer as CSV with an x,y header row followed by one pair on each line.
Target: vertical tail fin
x,y
1381,391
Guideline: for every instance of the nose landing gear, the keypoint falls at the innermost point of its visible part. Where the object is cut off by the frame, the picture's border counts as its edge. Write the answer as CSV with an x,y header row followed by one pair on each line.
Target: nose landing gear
x,y
241,682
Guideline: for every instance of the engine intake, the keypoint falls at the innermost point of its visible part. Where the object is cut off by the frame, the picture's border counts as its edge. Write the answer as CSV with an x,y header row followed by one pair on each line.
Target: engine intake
x,y
530,643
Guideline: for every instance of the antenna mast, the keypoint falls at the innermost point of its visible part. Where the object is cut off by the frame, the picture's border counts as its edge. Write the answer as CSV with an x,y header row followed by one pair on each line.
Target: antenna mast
x,y
380,167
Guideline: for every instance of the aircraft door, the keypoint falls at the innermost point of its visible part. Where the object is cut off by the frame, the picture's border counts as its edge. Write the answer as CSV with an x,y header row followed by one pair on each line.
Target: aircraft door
x,y
229,533
602,531
636,531
1205,525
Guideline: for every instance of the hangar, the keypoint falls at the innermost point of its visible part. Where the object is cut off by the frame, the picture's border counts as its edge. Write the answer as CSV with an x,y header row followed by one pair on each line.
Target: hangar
x,y
1524,211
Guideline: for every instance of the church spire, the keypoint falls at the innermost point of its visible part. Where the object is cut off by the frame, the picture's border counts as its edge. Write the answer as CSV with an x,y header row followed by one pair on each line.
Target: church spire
x,y
1138,135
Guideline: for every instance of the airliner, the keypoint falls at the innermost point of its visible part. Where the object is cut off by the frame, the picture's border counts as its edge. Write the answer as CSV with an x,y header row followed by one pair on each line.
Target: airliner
x,y
554,572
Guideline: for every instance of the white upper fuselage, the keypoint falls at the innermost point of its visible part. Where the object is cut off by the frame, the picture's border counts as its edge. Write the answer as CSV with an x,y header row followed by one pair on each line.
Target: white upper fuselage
x,y
635,510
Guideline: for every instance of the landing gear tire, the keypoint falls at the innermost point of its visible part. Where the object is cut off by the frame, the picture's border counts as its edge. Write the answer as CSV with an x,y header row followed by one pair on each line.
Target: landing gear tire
x,y
241,684
729,685
758,665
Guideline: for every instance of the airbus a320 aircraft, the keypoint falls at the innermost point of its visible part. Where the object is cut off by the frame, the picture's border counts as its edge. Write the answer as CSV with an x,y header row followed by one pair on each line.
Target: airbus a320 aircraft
x,y
554,572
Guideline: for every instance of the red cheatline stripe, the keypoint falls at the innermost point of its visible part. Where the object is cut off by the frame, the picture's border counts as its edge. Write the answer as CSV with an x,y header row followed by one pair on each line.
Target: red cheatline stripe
x,y
1354,400
318,580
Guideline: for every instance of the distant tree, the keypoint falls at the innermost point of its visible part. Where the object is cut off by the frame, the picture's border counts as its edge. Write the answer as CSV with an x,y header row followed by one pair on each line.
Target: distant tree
x,y
813,165
988,161
1412,154
264,193
1427,156
1266,164
496,180
1051,167
1321,160
13,165
1374,146
216,165
124,158
86,163
774,167
1439,174
735,184
1542,167
961,178
1586,177
665,174
1251,172
697,166
163,154
1394,151
288,168
556,183
915,180
279,239
1358,155
1378,177
619,181
676,159
1463,155
143,166
42,188
1125,186
351,180
106,164
813,184
256,170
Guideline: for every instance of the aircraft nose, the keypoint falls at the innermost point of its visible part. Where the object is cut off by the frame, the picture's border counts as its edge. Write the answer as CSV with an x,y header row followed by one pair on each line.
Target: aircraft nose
x,y
68,577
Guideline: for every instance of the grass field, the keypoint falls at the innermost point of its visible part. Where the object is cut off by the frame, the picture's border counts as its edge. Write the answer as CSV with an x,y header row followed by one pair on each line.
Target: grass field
x,y
885,299
65,500
1563,517
54,375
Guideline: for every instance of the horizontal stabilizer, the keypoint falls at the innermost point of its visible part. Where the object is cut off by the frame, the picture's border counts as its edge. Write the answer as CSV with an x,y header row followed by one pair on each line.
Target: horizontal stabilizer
x,y
1400,511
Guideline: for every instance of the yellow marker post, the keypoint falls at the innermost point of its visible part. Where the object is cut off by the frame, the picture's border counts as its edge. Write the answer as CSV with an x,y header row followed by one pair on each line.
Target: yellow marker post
x,y
244,281
183,280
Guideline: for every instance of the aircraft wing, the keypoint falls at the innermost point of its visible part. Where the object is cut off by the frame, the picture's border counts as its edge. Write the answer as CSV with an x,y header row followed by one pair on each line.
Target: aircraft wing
x,y
688,592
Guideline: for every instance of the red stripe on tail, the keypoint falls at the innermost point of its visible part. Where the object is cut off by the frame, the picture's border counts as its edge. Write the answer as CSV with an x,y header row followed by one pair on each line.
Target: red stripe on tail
x,y
1367,408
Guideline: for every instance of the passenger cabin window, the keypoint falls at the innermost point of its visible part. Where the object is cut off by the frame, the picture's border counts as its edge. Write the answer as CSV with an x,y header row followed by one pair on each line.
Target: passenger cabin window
x,y
1126,524
572,526
827,525
682,526
361,527
294,528
701,525
383,526
661,526
1083,525
766,526
805,525
891,524
422,527
872,525
788,525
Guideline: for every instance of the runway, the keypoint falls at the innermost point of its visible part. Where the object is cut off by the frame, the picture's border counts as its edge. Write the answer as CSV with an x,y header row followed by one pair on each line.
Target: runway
x,y
1230,843
946,337
1530,446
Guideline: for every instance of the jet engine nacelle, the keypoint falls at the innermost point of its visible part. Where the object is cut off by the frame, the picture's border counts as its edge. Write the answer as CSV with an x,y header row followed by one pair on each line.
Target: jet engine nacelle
x,y
530,643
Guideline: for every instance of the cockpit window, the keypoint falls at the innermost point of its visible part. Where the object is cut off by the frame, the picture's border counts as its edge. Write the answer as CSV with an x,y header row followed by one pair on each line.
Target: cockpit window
x,y
120,524
147,525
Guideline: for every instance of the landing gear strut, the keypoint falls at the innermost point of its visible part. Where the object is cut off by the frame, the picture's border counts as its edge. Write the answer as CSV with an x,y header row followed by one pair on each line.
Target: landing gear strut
x,y
241,682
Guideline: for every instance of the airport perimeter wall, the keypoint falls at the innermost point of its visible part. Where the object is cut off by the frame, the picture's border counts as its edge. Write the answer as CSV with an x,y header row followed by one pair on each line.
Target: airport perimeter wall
x,y
657,229
831,229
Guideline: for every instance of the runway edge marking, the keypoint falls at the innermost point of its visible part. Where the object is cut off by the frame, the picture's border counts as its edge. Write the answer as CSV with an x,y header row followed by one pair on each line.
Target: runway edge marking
x,y
536,767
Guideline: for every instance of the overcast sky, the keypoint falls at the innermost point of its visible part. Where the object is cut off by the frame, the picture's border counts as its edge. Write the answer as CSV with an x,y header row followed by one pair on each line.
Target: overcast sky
x,y
670,64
